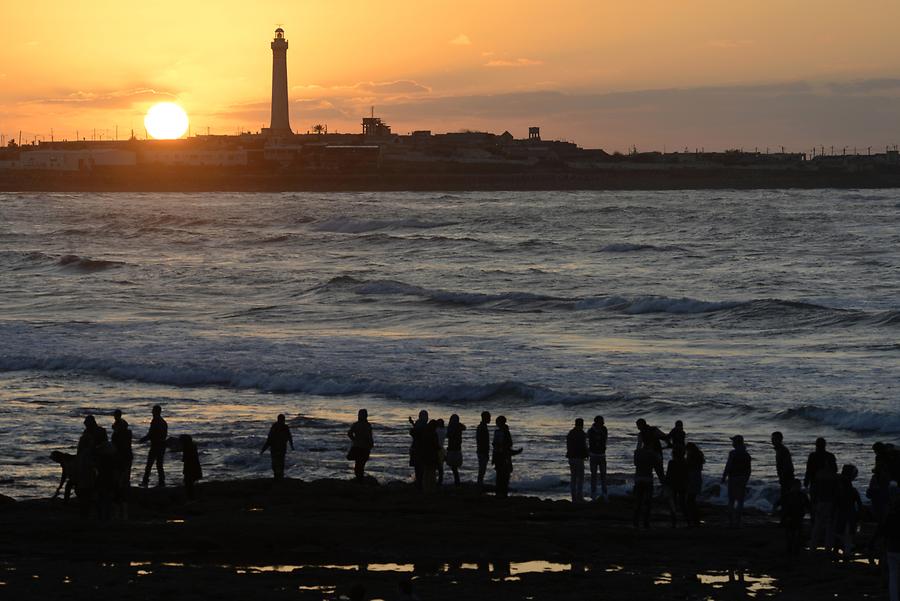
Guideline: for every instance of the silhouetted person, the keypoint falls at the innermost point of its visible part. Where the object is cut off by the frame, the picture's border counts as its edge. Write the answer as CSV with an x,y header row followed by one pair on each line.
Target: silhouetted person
x,y
677,483
784,465
277,442
69,465
794,506
157,435
597,437
677,437
879,490
576,453
650,437
430,455
417,432
821,465
646,461
441,431
887,458
455,431
361,443
694,460
89,442
190,457
483,445
737,474
121,440
821,479
891,533
107,478
847,508
503,454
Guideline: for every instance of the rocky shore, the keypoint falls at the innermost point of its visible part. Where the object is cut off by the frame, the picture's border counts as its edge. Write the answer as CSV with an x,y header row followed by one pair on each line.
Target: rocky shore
x,y
253,539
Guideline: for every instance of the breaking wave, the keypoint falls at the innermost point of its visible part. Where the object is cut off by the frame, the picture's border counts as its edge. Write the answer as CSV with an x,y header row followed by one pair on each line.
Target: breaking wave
x,y
625,247
862,421
309,383
85,264
781,311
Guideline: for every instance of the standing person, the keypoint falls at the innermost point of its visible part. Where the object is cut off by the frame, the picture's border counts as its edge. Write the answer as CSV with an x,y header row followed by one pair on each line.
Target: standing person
x,y
847,507
483,446
784,465
890,530
455,431
429,455
441,431
737,474
794,505
650,437
121,440
597,438
821,479
503,454
694,459
86,459
278,440
677,483
361,443
677,438
646,461
190,458
576,453
417,433
157,435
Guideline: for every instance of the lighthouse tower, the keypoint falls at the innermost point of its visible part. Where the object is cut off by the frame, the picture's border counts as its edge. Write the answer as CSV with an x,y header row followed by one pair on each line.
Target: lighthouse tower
x,y
281,124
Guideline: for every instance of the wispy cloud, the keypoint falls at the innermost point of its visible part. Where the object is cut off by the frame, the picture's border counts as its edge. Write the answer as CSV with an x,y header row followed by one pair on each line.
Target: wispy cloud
x,y
461,40
106,99
518,62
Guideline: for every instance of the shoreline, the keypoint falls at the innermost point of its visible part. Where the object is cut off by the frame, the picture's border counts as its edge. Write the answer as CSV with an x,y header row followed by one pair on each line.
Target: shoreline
x,y
241,537
185,179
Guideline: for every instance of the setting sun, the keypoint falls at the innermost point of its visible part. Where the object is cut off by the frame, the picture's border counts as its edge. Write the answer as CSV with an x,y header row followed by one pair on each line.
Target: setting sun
x,y
166,121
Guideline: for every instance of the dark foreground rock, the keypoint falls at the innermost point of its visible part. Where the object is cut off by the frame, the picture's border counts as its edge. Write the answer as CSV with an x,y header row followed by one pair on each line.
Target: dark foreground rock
x,y
255,540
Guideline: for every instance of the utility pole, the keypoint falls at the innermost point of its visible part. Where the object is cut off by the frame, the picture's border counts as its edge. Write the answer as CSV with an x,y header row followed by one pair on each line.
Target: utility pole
x,y
117,132
51,135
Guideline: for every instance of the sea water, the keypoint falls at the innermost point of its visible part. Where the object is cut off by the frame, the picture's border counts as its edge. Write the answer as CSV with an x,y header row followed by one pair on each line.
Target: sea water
x,y
738,312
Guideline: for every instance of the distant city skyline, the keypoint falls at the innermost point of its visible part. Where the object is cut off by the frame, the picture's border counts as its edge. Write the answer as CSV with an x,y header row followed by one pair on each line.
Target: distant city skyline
x,y
654,76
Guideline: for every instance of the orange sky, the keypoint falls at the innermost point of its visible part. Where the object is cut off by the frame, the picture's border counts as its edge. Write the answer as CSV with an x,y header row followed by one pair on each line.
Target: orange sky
x,y
605,73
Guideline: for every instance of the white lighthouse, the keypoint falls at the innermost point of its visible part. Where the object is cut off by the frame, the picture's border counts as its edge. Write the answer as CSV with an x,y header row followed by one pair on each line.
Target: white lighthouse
x,y
280,124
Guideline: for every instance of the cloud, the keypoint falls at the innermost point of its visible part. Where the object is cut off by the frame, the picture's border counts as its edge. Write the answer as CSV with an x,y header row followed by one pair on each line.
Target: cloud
x,y
461,40
402,86
106,99
519,62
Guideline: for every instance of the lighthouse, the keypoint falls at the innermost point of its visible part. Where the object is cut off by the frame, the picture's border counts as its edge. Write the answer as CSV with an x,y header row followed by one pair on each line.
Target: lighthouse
x,y
280,124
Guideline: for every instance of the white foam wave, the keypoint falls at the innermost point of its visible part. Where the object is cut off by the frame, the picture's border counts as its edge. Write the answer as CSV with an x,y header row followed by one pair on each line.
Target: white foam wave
x,y
864,421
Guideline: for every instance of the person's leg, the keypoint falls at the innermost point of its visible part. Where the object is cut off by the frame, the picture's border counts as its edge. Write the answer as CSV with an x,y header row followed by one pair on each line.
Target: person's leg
x,y
893,564
359,468
818,526
440,472
159,466
455,475
580,488
593,465
150,460
648,501
572,480
602,469
482,467
829,526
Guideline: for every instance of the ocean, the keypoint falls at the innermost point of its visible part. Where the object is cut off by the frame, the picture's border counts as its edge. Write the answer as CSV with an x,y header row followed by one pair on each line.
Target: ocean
x,y
738,312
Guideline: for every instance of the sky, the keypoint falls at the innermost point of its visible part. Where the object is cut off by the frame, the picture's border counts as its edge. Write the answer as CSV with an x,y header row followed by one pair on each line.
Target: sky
x,y
645,74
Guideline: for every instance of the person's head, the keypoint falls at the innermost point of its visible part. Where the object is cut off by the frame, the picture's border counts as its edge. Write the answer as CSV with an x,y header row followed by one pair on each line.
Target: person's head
x,y
878,448
157,410
362,415
90,422
641,423
679,425
777,438
485,417
440,422
820,444
117,414
579,423
501,420
598,420
737,441
281,418
454,419
849,472
423,415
